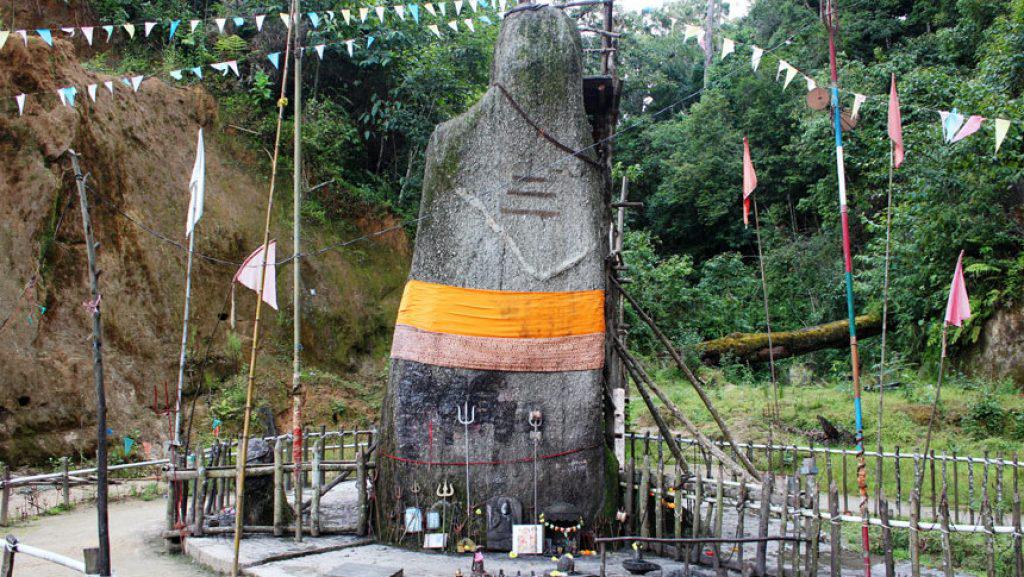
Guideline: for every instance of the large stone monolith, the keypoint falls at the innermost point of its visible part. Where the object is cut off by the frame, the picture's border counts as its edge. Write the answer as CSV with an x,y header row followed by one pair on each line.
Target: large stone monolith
x,y
506,210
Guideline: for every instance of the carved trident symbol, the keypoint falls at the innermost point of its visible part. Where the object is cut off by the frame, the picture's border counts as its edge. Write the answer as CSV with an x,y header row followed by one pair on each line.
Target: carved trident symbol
x,y
466,416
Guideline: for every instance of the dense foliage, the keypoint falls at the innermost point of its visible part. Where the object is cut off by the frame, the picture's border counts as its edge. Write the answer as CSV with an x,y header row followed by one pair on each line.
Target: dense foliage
x,y
368,118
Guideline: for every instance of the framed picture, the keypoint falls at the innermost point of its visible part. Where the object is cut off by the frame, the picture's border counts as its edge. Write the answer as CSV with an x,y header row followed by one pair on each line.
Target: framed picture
x,y
527,539
413,520
433,520
435,540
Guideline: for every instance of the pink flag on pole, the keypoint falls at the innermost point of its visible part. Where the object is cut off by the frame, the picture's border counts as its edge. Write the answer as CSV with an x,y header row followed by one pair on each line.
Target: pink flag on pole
x,y
249,274
970,127
959,307
749,181
895,125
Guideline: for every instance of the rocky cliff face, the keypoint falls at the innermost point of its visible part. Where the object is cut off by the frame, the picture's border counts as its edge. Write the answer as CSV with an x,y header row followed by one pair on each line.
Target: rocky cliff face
x,y
505,209
1000,354
138,149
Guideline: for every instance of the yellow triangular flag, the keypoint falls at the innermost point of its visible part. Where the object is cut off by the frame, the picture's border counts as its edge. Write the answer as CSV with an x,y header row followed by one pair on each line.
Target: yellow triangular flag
x,y
130,28
1002,127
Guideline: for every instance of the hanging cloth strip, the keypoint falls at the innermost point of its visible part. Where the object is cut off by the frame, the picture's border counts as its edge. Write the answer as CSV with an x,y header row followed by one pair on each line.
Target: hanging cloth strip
x,y
500,330
543,133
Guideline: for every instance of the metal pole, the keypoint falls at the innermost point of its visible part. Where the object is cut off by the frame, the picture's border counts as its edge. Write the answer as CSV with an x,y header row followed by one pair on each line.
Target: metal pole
x,y
103,559
297,277
831,20
243,443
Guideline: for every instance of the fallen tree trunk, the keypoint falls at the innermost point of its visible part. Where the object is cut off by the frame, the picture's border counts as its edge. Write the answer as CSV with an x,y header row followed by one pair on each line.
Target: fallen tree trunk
x,y
753,347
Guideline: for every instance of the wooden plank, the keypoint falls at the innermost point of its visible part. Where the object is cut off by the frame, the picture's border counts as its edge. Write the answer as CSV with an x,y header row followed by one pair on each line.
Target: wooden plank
x,y
279,492
835,533
947,547
200,508
318,481
890,563
764,518
645,497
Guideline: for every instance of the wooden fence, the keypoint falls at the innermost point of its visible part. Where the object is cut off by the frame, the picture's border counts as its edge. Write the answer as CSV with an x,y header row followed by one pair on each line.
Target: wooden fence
x,y
206,486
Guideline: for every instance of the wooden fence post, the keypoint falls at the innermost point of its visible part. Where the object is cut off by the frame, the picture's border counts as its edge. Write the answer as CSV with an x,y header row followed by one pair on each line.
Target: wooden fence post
x,y
7,566
947,553
677,518
200,509
698,501
835,533
659,502
645,497
1018,554
363,517
318,481
280,500
915,545
890,564
761,562
65,483
630,496
783,526
990,537
5,497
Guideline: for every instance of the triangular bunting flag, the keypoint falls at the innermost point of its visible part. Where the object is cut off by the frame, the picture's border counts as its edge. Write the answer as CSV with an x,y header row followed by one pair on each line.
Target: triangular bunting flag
x,y
811,84
858,100
958,307
109,30
453,25
173,29
469,24
147,28
369,41
485,19
86,31
314,19
430,8
970,127
400,10
239,21
45,34
20,99
130,29
69,31
198,71
363,12
347,15
320,50
192,25
380,13
501,7
286,19
126,81
110,86
233,65
458,7
1002,127
472,4
444,9
414,9
259,21
252,270
349,44
330,15
952,120
24,36
175,74
92,92
690,31
728,47
137,82
67,95
433,28
275,59
220,24
3,38
790,75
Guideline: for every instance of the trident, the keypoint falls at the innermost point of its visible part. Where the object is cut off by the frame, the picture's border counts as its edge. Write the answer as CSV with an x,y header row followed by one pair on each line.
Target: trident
x,y
536,419
444,491
466,416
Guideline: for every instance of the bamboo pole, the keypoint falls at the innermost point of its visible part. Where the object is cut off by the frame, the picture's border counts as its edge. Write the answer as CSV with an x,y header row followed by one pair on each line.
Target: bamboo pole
x,y
885,319
103,529
831,18
890,563
5,497
243,445
318,481
645,497
947,546
200,508
280,501
835,543
776,416
764,518
296,391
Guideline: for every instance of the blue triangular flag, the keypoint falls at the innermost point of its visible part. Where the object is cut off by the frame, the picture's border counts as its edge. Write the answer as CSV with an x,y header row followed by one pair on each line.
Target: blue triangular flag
x,y
275,59
414,9
44,33
239,21
198,71
315,19
485,19
128,444
369,41
175,74
69,95
174,28
110,31
126,82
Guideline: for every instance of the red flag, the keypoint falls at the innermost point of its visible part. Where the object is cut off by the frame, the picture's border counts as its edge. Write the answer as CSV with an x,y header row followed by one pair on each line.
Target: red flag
x,y
749,181
895,125
959,307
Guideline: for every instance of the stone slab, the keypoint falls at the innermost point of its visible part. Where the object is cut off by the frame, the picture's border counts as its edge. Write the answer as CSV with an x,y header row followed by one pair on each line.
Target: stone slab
x,y
361,570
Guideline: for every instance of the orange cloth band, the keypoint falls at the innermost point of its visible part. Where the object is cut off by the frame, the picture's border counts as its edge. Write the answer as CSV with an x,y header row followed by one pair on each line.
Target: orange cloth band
x,y
501,314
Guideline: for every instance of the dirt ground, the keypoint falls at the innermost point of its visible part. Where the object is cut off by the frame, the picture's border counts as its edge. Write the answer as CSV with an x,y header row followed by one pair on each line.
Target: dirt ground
x,y
135,548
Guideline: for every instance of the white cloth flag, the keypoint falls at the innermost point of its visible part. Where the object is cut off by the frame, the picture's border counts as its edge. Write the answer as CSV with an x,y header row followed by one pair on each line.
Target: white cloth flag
x,y
196,187
755,59
811,84
1002,127
92,92
192,25
728,47
858,99
259,21
148,27
252,269
220,24
87,31
20,99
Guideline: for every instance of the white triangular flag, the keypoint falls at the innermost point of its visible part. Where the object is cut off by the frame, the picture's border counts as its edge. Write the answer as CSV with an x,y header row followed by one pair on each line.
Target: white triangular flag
x,y
320,50
176,74
252,270
3,38
783,66
60,95
728,47
69,31
473,5
286,19
380,13
130,28
192,25
1002,127
453,25
24,36
21,103
87,31
690,31
347,14
220,24
430,8
92,92
790,75
444,9
136,82
148,27
110,86
501,6
755,58
458,7
259,22
349,44
469,24
233,65
811,84
400,10
433,28
196,188
858,99
363,12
